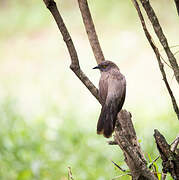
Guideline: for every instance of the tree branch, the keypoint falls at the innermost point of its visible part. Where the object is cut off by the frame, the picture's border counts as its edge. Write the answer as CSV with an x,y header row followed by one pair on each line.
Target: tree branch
x,y
175,144
90,30
155,49
75,66
126,138
177,5
123,170
170,159
163,40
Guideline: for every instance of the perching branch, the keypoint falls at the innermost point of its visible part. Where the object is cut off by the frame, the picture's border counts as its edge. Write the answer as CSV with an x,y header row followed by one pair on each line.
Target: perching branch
x,y
90,30
125,134
126,138
155,49
163,40
75,66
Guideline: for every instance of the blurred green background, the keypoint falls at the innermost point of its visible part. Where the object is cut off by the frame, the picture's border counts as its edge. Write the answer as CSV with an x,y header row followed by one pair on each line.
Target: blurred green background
x,y
47,117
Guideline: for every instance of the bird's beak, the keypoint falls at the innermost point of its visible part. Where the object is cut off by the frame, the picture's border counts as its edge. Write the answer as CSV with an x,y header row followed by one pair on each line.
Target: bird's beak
x,y
97,67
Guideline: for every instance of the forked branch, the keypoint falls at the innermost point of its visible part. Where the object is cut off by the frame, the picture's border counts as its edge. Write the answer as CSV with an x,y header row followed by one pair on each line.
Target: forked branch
x,y
75,66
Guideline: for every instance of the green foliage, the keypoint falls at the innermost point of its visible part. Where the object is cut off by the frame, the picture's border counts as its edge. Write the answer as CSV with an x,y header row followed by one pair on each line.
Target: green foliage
x,y
33,150
43,149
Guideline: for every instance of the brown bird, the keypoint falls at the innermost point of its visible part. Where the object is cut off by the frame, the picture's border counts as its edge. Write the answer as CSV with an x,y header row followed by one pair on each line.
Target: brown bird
x,y
112,91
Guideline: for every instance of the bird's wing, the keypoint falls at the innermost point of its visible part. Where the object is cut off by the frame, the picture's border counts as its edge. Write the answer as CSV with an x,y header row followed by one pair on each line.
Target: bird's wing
x,y
103,88
116,89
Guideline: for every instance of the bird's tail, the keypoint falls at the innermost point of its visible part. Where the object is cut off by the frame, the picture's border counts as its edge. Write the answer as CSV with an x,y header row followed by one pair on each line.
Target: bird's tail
x,y
107,119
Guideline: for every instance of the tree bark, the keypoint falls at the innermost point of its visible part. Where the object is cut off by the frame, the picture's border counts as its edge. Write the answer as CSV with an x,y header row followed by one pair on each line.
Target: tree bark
x,y
126,138
170,159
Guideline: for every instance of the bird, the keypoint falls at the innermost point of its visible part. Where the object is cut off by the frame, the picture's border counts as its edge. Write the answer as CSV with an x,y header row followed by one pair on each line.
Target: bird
x,y
112,92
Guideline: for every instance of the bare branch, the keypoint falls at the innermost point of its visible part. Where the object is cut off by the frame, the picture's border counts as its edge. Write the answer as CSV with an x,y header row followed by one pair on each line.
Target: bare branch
x,y
170,159
75,67
70,177
177,5
90,30
175,144
155,49
125,136
123,170
163,40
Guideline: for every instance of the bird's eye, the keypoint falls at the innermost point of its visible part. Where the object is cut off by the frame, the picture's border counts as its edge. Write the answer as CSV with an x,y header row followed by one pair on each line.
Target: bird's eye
x,y
104,66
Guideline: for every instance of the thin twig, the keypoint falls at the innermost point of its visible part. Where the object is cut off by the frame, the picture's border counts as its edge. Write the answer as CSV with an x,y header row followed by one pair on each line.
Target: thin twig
x,y
175,144
151,164
90,30
171,47
174,46
165,62
75,67
123,170
155,49
176,52
163,40
117,177
70,177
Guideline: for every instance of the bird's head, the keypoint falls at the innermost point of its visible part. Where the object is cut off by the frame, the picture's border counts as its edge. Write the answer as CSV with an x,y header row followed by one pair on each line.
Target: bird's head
x,y
105,66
